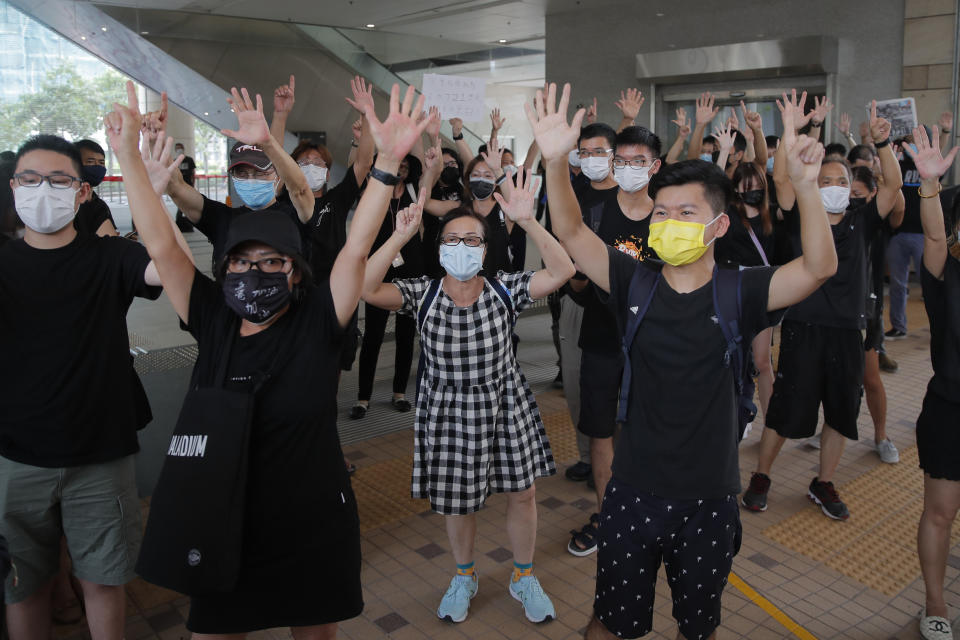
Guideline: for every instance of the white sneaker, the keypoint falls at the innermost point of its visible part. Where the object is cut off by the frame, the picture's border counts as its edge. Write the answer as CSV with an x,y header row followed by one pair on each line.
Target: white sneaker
x,y
934,627
888,452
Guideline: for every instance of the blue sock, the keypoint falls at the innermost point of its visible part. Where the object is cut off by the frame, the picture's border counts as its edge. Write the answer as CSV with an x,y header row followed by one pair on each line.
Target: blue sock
x,y
465,569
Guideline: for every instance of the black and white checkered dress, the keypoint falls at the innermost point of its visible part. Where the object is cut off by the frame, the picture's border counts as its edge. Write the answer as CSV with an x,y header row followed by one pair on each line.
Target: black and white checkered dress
x,y
478,429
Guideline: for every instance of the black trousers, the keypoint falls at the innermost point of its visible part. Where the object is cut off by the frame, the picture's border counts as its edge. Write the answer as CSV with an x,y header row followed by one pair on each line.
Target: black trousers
x,y
375,326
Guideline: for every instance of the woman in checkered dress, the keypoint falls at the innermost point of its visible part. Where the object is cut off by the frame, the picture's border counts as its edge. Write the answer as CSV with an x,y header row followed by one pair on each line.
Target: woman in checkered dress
x,y
478,429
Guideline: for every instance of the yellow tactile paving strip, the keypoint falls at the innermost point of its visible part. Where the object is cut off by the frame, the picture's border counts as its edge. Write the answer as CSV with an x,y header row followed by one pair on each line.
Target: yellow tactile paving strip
x,y
877,546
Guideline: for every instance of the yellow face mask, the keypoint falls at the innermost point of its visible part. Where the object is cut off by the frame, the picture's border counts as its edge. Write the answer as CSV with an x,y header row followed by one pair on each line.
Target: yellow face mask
x,y
677,242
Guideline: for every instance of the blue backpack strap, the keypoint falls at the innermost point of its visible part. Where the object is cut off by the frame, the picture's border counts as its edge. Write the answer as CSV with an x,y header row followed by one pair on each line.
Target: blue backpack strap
x,y
727,304
426,303
643,285
504,295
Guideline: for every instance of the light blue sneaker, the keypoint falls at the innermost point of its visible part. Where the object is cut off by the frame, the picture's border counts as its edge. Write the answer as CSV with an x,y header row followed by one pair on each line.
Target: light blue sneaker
x,y
456,601
536,604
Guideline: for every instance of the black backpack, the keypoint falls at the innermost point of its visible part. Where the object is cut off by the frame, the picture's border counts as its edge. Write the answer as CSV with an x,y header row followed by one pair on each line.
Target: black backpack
x,y
726,304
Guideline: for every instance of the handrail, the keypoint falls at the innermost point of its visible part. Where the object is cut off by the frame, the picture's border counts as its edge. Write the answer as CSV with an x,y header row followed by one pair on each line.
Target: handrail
x,y
352,54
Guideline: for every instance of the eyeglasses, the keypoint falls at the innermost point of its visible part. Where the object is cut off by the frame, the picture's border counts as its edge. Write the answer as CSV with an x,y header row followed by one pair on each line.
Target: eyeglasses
x,y
635,163
317,163
594,153
451,163
264,265
56,180
255,174
452,240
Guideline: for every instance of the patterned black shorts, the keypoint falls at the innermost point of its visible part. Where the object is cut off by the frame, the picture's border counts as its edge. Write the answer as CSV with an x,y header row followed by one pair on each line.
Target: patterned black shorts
x,y
695,539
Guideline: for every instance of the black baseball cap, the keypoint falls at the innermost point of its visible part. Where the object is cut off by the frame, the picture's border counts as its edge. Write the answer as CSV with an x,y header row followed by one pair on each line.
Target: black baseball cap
x,y
251,154
272,227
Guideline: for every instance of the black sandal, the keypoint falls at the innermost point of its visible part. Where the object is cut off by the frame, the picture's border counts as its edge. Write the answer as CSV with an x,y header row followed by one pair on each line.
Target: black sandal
x,y
401,404
584,541
357,411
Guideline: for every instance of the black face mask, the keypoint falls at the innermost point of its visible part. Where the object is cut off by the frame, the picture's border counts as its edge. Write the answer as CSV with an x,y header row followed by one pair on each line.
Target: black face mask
x,y
93,174
450,176
754,197
856,203
256,296
481,189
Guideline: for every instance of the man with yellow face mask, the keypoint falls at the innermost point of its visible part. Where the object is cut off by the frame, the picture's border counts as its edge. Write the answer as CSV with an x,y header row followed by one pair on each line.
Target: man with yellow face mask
x,y
673,495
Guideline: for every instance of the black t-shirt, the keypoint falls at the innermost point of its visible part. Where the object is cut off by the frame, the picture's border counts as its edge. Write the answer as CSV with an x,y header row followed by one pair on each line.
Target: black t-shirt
x,y
499,250
736,247
840,301
66,387
412,252
187,169
598,332
589,198
327,229
682,431
295,455
942,301
92,214
911,198
216,218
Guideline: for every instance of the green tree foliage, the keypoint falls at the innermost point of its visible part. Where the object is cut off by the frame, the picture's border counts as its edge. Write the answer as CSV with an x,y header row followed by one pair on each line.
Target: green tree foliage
x,y
65,104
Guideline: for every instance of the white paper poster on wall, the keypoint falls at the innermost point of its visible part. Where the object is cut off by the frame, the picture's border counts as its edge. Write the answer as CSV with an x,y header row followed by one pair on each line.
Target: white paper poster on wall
x,y
901,112
455,96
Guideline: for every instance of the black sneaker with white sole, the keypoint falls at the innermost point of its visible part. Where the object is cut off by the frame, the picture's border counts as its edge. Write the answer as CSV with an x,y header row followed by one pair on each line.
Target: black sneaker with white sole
x,y
755,497
829,500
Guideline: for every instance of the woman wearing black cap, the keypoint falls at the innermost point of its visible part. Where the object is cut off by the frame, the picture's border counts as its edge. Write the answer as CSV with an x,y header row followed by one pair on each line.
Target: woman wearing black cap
x,y
300,559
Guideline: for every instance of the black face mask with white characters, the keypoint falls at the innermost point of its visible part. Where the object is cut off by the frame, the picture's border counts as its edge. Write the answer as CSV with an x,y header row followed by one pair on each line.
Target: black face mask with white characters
x,y
256,296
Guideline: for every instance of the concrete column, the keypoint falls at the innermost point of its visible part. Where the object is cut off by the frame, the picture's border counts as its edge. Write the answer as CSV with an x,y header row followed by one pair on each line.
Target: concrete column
x,y
179,122
928,42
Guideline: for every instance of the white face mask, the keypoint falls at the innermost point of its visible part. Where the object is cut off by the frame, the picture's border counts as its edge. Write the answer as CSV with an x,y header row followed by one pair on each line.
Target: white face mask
x,y
573,158
509,169
316,176
632,179
835,199
597,169
45,209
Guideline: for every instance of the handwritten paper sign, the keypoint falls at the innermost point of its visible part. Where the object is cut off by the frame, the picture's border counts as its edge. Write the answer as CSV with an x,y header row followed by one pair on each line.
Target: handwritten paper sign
x,y
902,114
456,96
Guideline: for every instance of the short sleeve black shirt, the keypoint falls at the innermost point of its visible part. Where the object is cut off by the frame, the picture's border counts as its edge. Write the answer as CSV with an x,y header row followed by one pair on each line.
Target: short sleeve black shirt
x,y
736,247
92,214
327,229
911,198
67,389
681,434
188,169
942,301
216,217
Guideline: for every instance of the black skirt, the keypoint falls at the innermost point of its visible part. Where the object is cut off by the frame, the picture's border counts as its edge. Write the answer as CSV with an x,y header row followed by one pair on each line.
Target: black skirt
x,y
938,437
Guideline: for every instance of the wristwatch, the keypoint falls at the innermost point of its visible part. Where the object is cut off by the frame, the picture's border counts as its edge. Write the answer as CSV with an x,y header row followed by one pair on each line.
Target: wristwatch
x,y
458,136
386,178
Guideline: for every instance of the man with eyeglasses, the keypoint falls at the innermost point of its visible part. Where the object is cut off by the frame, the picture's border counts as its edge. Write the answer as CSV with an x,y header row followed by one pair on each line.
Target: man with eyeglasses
x,y
593,188
69,420
624,224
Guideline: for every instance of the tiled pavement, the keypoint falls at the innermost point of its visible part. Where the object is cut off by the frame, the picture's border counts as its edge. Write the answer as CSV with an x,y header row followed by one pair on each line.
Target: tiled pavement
x,y
407,564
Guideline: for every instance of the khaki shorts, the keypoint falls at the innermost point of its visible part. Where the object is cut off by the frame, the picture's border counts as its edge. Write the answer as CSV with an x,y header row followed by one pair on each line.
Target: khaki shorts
x,y
95,506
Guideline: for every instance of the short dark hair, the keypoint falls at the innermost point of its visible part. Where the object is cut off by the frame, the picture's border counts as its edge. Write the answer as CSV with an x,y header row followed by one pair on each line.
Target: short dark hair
x,y
739,142
835,148
90,145
598,130
447,151
640,136
8,156
864,175
9,220
48,142
309,145
841,161
709,140
466,212
861,152
482,148
717,188
772,141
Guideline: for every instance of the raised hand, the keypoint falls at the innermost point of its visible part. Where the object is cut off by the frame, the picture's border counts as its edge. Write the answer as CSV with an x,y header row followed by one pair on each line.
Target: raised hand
x,y
357,129
493,155
732,121
156,158
408,218
433,126
283,97
725,136
681,122
752,118
433,158
804,155
946,121
929,160
820,110
362,94
154,123
456,124
123,123
396,135
843,126
549,123
791,113
252,125
879,127
630,103
592,112
706,112
520,203
495,120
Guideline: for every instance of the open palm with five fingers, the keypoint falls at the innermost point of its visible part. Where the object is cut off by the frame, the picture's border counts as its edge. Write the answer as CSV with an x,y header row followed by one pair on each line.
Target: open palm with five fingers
x,y
553,134
520,203
252,126
930,161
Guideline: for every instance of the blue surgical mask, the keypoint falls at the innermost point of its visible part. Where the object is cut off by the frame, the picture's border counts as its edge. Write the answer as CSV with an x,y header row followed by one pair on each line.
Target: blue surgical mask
x,y
256,194
770,164
460,261
706,157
